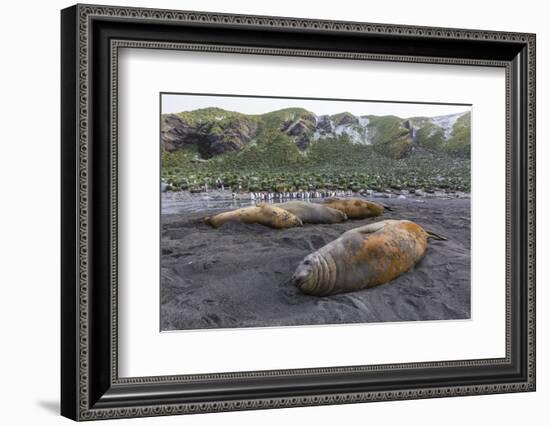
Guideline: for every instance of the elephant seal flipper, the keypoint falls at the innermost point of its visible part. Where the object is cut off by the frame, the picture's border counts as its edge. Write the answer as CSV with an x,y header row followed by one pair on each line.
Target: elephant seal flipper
x,y
436,236
386,207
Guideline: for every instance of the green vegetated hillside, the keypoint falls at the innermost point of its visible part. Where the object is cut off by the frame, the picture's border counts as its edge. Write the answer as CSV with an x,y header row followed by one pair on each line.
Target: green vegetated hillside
x,y
294,149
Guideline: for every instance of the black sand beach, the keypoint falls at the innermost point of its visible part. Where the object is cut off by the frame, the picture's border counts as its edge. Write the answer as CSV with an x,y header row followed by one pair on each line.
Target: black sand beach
x,y
238,275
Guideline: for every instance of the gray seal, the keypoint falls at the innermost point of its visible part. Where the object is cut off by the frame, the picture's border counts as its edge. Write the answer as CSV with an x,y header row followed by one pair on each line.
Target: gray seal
x,y
313,213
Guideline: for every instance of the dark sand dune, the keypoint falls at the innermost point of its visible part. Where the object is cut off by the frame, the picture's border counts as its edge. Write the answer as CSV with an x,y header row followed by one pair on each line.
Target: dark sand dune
x,y
238,275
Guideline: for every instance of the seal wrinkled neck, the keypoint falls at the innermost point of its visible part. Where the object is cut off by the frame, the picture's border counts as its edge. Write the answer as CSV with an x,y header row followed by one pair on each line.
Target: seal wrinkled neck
x,y
314,275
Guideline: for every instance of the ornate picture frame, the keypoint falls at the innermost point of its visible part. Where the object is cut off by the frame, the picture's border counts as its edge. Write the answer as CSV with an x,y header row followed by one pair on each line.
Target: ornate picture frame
x,y
91,37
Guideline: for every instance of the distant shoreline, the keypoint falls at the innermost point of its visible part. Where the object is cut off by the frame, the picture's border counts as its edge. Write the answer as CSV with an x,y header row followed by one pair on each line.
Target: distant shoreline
x,y
227,194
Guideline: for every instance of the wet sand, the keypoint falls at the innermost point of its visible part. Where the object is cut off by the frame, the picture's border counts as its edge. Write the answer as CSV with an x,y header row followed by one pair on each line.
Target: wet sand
x,y
238,275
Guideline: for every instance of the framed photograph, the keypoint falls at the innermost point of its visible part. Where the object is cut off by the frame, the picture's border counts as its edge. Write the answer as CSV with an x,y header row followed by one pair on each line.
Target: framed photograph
x,y
263,212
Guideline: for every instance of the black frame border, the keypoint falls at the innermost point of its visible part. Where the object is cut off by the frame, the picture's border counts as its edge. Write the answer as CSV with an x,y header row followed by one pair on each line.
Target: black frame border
x,y
90,387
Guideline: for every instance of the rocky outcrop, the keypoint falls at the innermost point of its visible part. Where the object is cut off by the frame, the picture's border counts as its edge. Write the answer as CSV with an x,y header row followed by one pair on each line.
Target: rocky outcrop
x,y
344,119
300,130
230,135
211,138
175,134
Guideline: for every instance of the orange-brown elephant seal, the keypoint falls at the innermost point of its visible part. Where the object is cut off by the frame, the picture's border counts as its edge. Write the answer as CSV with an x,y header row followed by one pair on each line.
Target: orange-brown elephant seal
x,y
363,257
356,208
313,213
264,214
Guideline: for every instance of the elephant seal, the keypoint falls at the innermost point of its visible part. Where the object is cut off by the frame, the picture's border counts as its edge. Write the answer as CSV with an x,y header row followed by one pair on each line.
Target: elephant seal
x,y
356,208
363,257
313,213
265,214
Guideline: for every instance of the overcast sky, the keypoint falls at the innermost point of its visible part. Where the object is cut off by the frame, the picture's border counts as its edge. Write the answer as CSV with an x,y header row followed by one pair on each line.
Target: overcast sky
x,y
178,103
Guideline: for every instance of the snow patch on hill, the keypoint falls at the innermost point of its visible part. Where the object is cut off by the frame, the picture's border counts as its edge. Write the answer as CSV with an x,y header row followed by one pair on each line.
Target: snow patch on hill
x,y
446,122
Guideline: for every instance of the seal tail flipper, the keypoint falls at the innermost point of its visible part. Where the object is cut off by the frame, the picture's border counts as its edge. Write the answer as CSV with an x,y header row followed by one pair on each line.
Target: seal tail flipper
x,y
386,207
436,236
208,220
